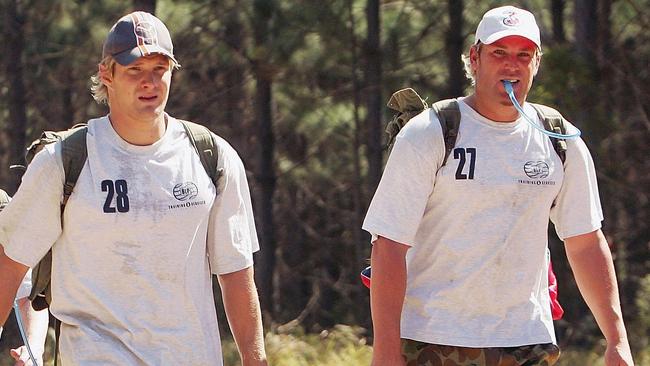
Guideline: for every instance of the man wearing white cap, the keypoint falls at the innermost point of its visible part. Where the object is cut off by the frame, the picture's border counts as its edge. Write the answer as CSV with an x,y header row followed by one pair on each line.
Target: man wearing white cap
x,y
145,228
459,257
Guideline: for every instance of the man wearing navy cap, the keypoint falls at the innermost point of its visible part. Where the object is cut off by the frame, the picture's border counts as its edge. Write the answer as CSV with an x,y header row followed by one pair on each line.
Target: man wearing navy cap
x,y
144,229
459,257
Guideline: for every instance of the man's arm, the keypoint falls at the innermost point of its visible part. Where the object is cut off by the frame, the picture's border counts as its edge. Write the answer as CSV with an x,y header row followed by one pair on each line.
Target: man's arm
x,y
593,268
387,290
11,274
36,325
243,311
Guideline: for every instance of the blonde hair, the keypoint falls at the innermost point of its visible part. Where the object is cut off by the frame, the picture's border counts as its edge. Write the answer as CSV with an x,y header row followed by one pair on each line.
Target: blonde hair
x,y
467,64
469,73
98,90
97,87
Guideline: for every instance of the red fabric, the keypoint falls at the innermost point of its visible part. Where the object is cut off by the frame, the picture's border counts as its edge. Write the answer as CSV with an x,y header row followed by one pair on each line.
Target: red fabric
x,y
365,277
556,308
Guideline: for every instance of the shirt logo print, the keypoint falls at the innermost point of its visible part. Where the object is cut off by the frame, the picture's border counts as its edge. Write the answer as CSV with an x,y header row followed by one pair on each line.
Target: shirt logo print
x,y
536,169
185,191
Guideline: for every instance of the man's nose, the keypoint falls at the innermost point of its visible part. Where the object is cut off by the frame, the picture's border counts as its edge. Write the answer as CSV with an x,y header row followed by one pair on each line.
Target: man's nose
x,y
511,62
149,79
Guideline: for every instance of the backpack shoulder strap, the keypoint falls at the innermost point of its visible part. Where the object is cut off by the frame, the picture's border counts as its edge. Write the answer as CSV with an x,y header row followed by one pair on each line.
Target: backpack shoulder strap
x,y
205,145
448,113
554,122
74,153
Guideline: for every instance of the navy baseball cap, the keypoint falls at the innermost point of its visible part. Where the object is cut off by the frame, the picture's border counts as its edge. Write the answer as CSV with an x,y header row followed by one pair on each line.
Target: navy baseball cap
x,y
136,35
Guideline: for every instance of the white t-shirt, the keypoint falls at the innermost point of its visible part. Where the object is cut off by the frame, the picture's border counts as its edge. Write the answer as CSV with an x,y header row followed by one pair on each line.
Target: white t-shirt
x,y
142,234
477,227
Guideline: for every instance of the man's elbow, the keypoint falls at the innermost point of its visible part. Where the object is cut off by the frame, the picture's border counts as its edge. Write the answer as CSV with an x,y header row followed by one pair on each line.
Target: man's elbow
x,y
10,269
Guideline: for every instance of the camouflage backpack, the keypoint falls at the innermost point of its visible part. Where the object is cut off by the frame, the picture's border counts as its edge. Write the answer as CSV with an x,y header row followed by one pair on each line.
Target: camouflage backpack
x,y
74,153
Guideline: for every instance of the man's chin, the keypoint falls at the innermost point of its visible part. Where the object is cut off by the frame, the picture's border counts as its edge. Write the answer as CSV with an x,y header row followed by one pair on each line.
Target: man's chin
x,y
152,112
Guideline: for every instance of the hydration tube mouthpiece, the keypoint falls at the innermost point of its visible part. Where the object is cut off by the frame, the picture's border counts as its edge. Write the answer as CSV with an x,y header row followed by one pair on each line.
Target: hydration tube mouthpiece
x,y
508,86
19,319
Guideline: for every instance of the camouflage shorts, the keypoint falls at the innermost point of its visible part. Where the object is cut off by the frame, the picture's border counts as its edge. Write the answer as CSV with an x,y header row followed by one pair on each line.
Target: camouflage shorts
x,y
425,354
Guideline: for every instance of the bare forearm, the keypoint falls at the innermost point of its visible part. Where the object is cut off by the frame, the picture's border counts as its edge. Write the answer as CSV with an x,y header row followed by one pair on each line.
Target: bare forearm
x,y
36,325
387,290
592,265
243,311
11,274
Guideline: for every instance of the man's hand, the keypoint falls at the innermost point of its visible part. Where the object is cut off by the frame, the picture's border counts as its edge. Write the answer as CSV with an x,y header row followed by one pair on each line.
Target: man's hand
x,y
618,354
22,358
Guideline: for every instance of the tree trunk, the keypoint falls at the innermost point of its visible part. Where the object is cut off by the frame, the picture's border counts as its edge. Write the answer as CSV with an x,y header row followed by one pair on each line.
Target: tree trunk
x,y
454,49
145,5
235,98
67,117
557,14
262,72
585,15
14,21
373,94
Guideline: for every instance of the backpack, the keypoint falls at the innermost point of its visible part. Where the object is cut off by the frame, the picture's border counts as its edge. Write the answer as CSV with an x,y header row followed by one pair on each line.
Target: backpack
x,y
407,104
74,154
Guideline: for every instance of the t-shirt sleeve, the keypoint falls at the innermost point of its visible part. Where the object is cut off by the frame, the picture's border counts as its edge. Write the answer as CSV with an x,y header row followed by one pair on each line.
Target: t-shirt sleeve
x,y
401,197
31,222
232,238
577,208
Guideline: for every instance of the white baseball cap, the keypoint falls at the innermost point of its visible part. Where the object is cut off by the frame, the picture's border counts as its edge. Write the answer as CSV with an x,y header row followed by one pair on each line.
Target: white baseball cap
x,y
507,21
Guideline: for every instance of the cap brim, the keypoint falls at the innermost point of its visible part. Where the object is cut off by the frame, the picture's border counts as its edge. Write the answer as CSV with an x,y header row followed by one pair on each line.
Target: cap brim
x,y
506,33
125,58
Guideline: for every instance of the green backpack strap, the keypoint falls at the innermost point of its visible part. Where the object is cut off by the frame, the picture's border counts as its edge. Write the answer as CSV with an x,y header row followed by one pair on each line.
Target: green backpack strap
x,y
554,122
74,153
205,145
448,113
407,103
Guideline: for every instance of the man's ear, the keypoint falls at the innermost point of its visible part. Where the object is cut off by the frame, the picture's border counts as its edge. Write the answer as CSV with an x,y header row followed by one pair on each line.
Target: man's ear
x,y
105,75
473,57
538,61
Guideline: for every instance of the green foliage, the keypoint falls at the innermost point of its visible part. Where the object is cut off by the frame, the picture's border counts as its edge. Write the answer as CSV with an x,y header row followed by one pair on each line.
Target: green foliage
x,y
343,345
